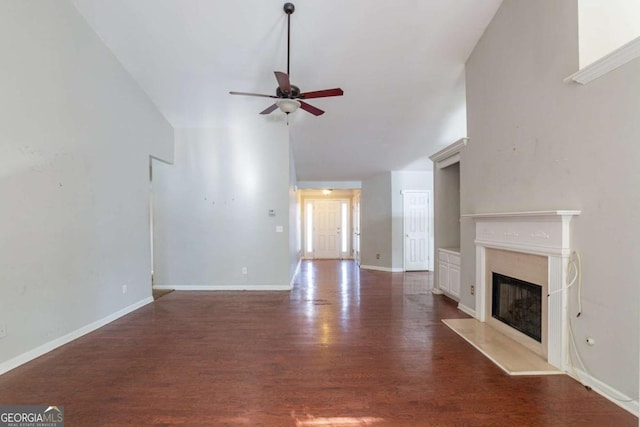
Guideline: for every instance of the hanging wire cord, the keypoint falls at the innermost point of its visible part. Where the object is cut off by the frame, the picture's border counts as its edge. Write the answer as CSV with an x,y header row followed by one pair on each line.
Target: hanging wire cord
x,y
575,266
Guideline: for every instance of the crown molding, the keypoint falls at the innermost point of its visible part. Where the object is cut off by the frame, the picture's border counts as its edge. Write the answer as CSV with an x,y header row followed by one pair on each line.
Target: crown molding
x,y
610,62
450,150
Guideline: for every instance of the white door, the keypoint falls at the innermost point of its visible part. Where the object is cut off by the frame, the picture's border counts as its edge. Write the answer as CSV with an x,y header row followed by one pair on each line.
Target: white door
x,y
416,230
326,229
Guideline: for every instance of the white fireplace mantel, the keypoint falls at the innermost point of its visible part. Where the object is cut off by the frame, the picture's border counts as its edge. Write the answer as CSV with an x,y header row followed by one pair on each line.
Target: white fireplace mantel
x,y
525,214
536,232
545,233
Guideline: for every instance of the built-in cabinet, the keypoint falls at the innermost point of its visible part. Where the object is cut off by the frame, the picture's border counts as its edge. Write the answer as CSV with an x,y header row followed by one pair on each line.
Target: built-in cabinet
x,y
449,271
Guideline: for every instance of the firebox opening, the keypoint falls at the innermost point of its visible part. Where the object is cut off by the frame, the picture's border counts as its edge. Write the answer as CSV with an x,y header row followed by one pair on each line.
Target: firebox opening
x,y
518,304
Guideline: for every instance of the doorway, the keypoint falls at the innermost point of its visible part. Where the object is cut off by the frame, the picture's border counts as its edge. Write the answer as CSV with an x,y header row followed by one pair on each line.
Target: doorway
x,y
327,228
154,162
151,226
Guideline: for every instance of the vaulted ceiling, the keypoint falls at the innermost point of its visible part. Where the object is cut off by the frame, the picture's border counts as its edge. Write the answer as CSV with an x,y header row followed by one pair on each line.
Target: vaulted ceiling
x,y
400,64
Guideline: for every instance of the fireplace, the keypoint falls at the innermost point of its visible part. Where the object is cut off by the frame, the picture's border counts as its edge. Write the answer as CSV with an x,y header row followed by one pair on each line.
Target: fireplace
x,y
532,247
519,271
518,304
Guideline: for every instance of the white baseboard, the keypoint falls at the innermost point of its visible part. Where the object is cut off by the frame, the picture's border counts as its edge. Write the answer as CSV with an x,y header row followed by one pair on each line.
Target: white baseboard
x,y
239,287
387,269
65,339
603,389
470,311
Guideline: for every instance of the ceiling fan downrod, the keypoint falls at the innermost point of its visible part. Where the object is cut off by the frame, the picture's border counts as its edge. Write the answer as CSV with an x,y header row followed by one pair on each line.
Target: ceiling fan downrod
x,y
288,8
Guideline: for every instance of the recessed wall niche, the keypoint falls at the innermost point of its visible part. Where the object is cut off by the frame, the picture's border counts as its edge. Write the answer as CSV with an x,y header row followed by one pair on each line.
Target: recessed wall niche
x,y
447,218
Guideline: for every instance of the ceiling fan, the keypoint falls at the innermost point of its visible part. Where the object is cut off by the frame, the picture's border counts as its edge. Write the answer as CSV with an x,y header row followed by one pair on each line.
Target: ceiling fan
x,y
288,96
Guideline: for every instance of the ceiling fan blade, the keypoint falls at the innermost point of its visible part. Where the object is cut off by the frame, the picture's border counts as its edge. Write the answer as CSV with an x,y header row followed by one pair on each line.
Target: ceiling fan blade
x,y
322,93
269,109
253,94
283,81
311,109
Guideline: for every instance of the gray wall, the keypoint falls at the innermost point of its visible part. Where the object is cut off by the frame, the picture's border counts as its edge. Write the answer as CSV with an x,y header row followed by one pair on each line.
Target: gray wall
x,y
375,221
76,133
537,143
381,216
447,206
211,209
295,220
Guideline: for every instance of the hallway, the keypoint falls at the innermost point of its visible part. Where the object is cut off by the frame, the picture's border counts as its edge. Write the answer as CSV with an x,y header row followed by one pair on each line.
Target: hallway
x,y
346,347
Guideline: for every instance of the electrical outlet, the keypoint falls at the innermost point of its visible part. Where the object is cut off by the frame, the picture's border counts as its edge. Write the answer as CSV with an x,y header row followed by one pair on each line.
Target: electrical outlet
x,y
244,270
472,289
3,329
124,289
377,256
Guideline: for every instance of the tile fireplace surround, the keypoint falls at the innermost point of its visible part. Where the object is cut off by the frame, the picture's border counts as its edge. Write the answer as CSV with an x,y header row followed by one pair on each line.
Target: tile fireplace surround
x,y
544,233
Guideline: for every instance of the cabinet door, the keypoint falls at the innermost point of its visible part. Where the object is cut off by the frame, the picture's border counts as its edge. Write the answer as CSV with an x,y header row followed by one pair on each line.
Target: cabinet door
x,y
443,276
454,280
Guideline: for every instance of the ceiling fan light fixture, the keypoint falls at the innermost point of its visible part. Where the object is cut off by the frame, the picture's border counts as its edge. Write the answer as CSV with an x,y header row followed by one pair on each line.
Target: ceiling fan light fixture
x,y
288,105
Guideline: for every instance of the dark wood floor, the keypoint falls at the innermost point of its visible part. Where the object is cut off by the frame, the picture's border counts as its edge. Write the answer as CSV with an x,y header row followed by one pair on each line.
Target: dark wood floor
x,y
344,348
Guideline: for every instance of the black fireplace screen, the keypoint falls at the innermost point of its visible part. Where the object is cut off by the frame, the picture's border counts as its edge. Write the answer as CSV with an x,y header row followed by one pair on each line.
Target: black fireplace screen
x,y
518,304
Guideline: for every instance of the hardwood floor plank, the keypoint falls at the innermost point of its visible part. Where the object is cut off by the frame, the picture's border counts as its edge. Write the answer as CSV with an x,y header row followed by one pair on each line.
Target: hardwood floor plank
x,y
345,347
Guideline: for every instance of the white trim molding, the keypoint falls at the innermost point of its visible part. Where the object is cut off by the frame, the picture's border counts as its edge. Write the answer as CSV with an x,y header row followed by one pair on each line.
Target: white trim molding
x,y
610,62
377,268
605,390
467,310
238,287
65,339
545,233
450,154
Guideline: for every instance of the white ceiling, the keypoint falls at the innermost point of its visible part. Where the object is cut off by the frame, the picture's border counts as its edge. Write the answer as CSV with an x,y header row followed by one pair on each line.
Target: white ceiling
x,y
400,64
